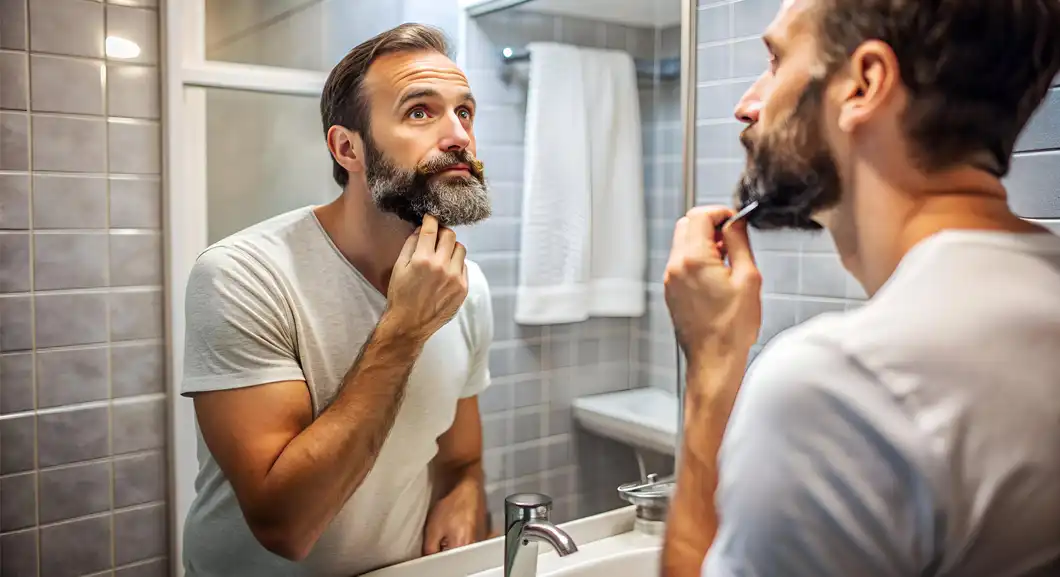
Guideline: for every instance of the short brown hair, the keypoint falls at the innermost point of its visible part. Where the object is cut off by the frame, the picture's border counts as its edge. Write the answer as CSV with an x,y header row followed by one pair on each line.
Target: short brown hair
x,y
976,70
343,101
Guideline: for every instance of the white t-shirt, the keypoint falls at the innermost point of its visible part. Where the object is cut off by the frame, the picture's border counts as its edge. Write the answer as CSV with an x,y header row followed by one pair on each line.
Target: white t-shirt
x,y
918,435
278,302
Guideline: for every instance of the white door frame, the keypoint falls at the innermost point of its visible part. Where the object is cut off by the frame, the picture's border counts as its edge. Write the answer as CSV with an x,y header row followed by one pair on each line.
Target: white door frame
x,y
187,75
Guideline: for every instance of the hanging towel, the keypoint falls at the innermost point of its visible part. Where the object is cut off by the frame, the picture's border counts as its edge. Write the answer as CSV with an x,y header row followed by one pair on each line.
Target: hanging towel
x,y
583,250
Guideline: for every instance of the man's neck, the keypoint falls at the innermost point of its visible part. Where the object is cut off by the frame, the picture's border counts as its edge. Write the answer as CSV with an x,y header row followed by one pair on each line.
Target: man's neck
x,y
890,217
369,239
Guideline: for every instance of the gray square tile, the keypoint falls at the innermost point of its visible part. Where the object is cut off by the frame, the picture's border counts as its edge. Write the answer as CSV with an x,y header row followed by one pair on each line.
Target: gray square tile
x,y
749,58
74,491
137,3
497,464
714,24
61,201
526,427
557,453
752,17
64,144
16,323
135,315
135,203
133,91
778,315
18,553
71,319
14,94
581,32
66,85
138,369
526,359
823,276
528,460
670,42
76,547
14,141
640,42
137,25
497,397
139,425
807,309
1043,130
154,568
559,420
780,272
495,431
67,261
135,259
139,479
70,27
17,440
139,534
71,435
13,25
18,502
16,383
714,63
1032,185
134,148
14,201
66,377
14,262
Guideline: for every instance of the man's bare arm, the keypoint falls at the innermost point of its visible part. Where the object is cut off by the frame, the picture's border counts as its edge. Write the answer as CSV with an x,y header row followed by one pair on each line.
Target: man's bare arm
x,y
693,520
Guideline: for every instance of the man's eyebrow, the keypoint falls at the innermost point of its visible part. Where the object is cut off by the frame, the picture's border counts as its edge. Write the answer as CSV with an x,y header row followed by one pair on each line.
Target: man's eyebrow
x,y
429,93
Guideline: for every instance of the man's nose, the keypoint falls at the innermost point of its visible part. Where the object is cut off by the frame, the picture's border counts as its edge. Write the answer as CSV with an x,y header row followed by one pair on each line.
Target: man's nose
x,y
455,136
750,105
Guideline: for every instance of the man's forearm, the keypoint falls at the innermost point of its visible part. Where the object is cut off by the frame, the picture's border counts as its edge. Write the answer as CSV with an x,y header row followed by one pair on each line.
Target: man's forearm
x,y
693,520
320,468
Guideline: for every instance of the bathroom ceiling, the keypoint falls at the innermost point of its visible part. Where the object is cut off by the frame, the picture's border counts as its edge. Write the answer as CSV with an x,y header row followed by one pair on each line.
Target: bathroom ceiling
x,y
644,13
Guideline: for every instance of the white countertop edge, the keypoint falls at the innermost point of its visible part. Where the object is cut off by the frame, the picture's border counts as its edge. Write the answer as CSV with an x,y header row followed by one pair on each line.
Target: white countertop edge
x,y
490,554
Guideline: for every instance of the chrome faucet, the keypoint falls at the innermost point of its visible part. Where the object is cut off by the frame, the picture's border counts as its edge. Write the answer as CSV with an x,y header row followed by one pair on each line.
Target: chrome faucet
x,y
526,523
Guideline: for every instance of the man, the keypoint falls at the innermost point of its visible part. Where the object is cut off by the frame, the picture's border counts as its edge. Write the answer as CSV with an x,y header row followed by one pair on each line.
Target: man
x,y
920,434
334,353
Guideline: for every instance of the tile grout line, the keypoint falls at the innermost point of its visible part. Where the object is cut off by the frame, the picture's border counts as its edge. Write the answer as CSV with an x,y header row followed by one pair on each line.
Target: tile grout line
x,y
104,78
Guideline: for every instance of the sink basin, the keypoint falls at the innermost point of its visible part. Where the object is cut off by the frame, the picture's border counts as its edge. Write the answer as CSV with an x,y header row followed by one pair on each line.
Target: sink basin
x,y
642,563
643,418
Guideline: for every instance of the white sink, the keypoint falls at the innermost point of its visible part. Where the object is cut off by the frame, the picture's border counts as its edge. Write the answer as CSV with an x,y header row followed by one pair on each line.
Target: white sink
x,y
642,563
632,554
643,418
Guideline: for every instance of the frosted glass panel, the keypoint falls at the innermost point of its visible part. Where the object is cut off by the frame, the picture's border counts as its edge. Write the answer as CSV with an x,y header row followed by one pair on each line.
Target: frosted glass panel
x,y
265,155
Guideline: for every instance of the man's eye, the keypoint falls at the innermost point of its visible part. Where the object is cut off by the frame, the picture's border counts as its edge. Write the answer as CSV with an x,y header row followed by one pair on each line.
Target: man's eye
x,y
417,114
464,113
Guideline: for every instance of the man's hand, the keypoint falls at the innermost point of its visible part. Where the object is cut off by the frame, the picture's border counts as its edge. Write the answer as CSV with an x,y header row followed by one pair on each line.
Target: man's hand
x,y
429,281
713,305
455,520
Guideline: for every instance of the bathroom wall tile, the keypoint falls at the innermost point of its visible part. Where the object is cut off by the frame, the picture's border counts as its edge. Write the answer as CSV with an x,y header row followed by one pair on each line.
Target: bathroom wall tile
x,y
495,431
14,93
14,262
749,58
76,547
74,491
751,17
1034,185
581,32
780,272
823,275
714,24
714,63
135,315
138,369
153,568
778,315
13,24
65,144
136,3
1043,130
69,27
72,435
137,25
65,377
640,42
134,148
66,85
497,397
807,309
499,125
528,460
139,479
135,203
14,202
503,163
139,425
61,201
18,553
18,501
526,426
17,439
133,91
135,259
16,383
71,319
14,141
16,330
66,261
559,420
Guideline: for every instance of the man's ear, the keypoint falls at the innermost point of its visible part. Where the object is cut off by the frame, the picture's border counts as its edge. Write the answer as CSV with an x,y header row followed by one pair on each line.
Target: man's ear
x,y
872,81
346,148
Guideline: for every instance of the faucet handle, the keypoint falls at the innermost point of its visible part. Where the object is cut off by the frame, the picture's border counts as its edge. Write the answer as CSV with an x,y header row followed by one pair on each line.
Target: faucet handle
x,y
526,507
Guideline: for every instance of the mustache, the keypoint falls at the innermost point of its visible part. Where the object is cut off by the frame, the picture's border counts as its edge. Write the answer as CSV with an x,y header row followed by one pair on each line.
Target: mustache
x,y
448,159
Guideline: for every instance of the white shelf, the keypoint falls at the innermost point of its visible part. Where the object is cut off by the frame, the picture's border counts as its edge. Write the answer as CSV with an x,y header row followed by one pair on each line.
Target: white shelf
x,y
643,418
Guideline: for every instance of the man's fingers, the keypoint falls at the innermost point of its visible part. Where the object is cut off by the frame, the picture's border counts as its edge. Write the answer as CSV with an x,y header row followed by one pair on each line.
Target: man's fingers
x,y
407,250
738,247
456,264
428,238
677,247
701,236
446,243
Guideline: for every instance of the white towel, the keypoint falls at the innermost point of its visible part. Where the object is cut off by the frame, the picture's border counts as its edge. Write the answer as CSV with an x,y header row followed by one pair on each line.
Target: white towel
x,y
584,241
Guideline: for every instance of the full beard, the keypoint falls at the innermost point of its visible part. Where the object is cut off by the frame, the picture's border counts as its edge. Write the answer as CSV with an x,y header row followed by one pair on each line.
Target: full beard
x,y
791,172
412,194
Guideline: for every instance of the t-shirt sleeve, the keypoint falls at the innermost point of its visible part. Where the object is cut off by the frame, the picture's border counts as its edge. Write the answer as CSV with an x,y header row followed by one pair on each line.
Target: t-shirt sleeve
x,y
238,330
820,474
481,315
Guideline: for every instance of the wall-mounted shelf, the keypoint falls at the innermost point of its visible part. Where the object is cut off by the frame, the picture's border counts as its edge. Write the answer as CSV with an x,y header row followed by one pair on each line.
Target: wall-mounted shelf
x,y
641,13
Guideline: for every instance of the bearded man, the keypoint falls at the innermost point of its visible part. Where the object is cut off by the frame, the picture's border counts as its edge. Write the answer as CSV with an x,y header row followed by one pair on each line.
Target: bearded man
x,y
918,435
334,353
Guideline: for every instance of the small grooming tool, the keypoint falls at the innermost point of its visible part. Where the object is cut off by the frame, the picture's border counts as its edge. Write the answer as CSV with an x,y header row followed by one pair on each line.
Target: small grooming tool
x,y
743,213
